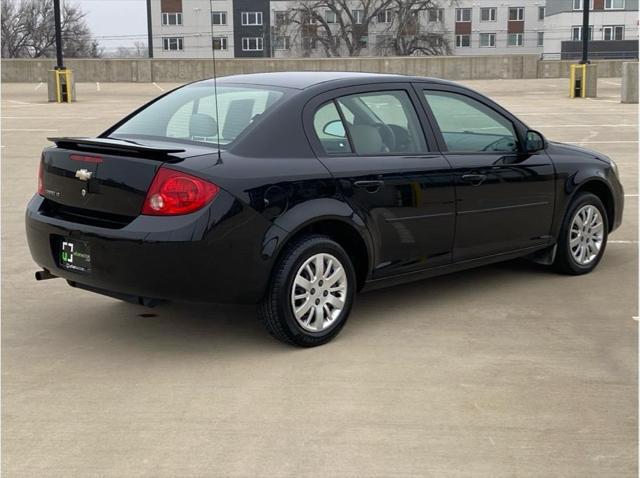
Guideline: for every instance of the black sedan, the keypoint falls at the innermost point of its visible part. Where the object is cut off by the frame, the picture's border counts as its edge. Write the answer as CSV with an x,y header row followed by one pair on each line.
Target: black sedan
x,y
297,190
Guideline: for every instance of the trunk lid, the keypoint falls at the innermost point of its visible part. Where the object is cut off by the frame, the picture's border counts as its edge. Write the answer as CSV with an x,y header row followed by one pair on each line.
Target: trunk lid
x,y
103,179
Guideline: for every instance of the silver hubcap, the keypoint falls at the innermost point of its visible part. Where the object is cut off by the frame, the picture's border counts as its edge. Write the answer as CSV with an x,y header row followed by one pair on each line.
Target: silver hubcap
x,y
586,235
319,292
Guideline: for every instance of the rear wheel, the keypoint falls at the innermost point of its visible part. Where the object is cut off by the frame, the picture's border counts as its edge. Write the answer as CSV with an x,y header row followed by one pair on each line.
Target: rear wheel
x,y
583,237
311,292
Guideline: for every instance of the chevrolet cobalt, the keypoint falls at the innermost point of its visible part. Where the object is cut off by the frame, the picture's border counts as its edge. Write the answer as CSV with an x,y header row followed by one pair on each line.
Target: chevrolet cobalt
x,y
294,191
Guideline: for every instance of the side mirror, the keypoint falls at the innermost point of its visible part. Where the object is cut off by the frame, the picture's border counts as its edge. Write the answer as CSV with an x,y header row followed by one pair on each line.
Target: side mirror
x,y
535,142
334,128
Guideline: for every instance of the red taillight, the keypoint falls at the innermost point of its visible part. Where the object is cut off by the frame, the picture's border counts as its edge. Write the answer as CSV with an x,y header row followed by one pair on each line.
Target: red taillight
x,y
173,193
41,177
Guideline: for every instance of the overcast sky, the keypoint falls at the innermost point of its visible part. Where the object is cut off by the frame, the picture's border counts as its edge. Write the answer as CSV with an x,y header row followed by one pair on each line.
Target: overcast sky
x,y
116,22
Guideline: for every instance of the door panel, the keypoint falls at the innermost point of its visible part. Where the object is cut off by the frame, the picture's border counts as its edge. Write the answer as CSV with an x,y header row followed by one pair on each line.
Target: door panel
x,y
402,191
410,210
504,197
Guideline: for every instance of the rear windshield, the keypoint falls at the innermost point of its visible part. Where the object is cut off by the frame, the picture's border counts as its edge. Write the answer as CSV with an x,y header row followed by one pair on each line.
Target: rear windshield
x,y
189,114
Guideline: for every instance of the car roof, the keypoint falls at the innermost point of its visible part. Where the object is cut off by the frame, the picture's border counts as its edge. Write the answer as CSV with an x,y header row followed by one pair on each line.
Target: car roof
x,y
306,79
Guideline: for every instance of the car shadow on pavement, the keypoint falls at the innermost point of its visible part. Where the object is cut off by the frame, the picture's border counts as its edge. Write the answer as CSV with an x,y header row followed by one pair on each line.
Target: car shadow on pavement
x,y
194,328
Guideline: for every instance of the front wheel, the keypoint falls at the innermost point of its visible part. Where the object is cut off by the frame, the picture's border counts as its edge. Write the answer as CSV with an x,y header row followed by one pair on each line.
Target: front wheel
x,y
311,292
583,236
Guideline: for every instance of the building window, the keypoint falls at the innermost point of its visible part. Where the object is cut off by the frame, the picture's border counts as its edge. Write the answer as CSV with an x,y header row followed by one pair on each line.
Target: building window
x,y
516,14
252,44
614,4
282,43
541,13
385,16
330,16
515,39
613,32
576,33
309,43
358,16
172,18
220,43
218,18
251,18
540,38
577,4
488,14
436,15
281,18
363,41
172,43
487,40
463,14
463,41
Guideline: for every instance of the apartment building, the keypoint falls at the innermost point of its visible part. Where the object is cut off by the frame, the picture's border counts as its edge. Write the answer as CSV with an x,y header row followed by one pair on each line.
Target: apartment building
x,y
280,28
191,28
613,28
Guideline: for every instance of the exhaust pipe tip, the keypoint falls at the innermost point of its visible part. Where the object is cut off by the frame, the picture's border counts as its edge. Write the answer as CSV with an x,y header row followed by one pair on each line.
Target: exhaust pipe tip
x,y
44,275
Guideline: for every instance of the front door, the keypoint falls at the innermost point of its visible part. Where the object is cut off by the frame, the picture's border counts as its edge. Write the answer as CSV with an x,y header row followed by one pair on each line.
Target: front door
x,y
373,142
504,196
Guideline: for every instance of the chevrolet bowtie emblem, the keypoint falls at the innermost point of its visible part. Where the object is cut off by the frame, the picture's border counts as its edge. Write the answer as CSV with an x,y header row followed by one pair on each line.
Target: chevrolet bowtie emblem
x,y
83,174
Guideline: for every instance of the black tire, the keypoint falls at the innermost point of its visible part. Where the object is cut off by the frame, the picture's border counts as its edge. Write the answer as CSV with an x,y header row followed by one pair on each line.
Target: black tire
x,y
276,311
565,263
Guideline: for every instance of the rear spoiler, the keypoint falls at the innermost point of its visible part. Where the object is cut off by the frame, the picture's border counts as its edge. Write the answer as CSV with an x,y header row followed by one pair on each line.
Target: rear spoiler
x,y
115,146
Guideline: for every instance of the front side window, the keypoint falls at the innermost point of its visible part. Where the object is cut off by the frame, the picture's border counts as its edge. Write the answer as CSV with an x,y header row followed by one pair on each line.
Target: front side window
x,y
281,18
358,16
190,114
487,40
330,130
516,14
172,43
218,18
251,18
463,14
541,13
488,14
468,126
383,122
540,38
252,44
515,39
576,33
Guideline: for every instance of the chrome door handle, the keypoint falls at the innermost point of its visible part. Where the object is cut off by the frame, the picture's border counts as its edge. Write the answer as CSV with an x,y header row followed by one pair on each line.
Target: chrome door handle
x,y
474,179
371,186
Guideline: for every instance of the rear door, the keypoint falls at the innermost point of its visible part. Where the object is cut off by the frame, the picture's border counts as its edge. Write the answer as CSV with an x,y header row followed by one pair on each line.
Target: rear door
x,y
505,197
372,139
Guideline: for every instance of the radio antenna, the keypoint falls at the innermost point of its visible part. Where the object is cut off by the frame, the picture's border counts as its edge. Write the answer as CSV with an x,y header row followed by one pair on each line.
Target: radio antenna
x,y
215,80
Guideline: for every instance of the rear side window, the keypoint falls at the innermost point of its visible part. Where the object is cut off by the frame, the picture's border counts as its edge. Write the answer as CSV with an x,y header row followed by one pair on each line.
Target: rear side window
x,y
376,123
330,130
468,126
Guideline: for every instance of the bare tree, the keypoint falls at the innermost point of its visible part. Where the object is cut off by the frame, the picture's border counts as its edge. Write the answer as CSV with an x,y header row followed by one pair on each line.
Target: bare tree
x,y
333,23
408,33
138,50
28,30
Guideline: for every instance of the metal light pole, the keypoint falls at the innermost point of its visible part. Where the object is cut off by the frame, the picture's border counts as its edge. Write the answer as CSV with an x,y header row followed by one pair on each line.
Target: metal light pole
x,y
58,26
149,30
585,32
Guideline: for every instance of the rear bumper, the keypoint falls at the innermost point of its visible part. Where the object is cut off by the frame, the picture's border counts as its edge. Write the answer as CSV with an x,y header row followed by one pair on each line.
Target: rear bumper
x,y
212,255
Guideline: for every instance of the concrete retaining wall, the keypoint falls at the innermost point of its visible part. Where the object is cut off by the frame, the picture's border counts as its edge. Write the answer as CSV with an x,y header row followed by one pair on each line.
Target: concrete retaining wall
x,y
162,70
